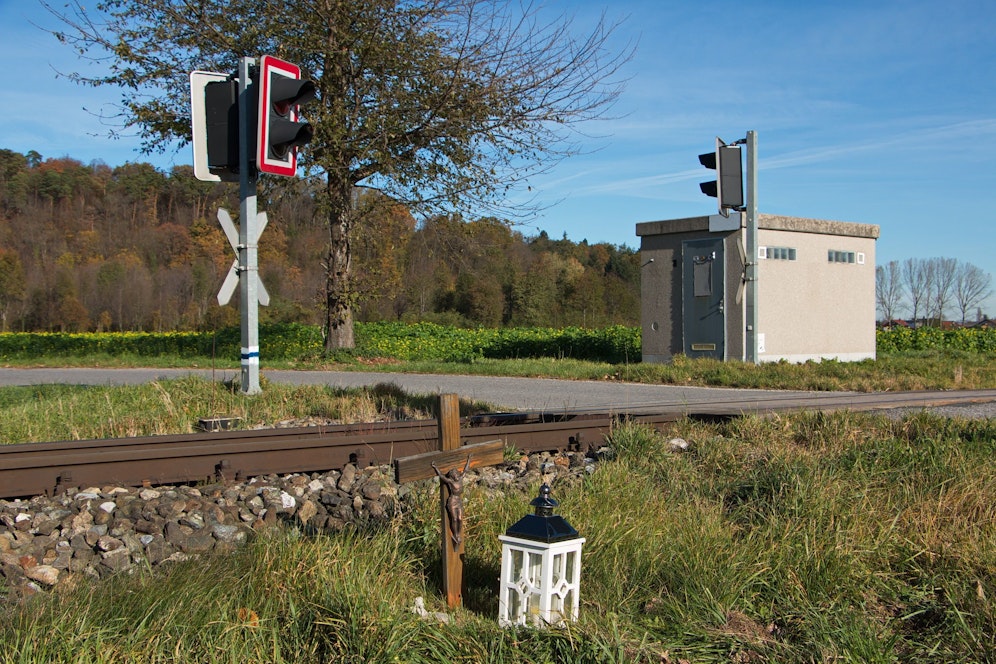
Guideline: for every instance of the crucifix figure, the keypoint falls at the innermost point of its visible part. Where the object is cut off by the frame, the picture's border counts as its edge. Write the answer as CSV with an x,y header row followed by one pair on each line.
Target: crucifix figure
x,y
454,501
445,464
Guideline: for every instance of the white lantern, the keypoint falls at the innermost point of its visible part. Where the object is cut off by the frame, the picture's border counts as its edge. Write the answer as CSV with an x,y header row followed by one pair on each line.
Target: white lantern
x,y
540,568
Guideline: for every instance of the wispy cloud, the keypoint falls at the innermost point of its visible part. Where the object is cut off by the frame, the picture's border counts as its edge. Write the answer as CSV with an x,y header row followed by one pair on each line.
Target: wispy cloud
x,y
930,139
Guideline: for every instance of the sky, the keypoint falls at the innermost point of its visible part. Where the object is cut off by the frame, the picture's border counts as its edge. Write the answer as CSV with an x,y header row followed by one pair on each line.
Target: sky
x,y
872,112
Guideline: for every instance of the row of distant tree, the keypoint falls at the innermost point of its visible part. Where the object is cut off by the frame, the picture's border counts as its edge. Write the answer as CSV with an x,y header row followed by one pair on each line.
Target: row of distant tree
x,y
88,247
931,290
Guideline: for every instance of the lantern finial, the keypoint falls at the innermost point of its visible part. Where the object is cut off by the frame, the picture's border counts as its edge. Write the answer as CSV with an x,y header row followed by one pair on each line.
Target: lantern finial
x,y
543,503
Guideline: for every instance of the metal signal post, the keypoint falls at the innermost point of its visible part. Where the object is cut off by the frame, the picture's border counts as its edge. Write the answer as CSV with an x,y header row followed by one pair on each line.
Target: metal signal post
x,y
750,269
248,233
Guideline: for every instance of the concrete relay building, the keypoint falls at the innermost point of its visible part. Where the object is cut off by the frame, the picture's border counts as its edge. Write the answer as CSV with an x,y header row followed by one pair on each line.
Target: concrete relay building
x,y
815,289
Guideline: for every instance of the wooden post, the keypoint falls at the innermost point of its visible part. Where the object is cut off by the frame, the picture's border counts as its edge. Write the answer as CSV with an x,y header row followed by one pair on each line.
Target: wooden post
x,y
449,439
450,456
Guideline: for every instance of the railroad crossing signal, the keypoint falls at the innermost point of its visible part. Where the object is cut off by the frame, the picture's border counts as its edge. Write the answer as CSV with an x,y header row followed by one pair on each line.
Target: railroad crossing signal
x,y
241,125
237,270
728,187
280,131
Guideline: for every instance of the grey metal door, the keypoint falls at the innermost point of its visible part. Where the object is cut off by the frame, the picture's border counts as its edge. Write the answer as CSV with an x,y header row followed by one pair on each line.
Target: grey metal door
x,y
704,320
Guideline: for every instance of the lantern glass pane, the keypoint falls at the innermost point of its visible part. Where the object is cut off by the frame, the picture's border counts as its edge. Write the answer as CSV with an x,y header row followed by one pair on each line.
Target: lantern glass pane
x,y
535,568
571,565
533,605
516,571
556,607
514,604
558,569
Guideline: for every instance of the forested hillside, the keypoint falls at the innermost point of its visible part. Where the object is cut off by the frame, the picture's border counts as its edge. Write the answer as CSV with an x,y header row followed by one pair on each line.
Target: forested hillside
x,y
87,247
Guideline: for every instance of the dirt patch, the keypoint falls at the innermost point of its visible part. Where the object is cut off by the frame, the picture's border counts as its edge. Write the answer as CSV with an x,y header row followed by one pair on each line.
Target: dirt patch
x,y
746,628
377,361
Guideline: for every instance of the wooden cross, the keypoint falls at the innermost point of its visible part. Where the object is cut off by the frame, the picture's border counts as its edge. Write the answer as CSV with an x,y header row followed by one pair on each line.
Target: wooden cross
x,y
449,463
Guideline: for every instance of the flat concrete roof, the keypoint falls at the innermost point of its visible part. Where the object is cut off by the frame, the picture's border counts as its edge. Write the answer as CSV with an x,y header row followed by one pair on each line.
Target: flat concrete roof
x,y
764,222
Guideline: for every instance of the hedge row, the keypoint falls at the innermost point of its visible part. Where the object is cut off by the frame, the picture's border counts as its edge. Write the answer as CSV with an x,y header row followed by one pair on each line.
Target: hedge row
x,y
278,342
427,341
420,341
901,339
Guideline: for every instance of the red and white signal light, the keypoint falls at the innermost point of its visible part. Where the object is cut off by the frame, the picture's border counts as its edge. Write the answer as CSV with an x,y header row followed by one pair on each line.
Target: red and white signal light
x,y
280,131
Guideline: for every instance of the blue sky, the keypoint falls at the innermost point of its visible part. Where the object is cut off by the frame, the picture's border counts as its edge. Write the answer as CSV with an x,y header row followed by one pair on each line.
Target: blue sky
x,y
881,113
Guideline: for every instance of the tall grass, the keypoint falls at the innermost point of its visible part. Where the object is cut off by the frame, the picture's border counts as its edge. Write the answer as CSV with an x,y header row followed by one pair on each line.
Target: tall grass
x,y
74,412
803,538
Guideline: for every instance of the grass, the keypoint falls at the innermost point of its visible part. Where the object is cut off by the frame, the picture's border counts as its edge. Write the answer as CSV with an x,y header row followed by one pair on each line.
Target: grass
x,y
803,538
74,412
912,370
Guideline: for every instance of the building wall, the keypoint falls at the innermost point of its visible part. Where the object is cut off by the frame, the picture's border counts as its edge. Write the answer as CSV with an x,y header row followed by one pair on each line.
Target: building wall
x,y
812,307
661,298
658,319
808,308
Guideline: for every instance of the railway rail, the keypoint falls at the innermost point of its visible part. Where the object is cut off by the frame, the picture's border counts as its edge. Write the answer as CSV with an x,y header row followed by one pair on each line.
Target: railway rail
x,y
31,469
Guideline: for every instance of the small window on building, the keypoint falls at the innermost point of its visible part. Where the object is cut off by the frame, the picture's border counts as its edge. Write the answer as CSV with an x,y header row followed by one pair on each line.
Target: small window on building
x,y
702,277
781,253
834,256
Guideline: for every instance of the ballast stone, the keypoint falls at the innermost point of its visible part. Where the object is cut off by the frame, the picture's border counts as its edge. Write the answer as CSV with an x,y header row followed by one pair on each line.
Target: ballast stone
x,y
98,531
43,574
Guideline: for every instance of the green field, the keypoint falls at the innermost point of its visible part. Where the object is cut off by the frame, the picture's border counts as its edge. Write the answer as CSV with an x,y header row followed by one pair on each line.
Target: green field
x,y
806,538
799,538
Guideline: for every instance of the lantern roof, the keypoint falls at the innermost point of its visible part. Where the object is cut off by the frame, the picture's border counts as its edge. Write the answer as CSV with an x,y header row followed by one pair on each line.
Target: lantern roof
x,y
544,525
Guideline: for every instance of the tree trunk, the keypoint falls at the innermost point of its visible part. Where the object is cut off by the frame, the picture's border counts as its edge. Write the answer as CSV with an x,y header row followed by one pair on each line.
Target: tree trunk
x,y
339,294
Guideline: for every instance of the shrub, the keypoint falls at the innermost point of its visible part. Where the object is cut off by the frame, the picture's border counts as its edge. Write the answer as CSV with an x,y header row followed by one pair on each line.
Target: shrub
x,y
424,341
902,339
282,342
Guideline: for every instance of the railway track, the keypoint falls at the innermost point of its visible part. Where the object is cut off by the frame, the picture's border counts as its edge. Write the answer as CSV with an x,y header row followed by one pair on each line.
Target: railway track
x,y
31,469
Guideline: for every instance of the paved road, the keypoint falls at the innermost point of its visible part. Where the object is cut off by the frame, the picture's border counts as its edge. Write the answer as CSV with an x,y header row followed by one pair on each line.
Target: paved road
x,y
505,393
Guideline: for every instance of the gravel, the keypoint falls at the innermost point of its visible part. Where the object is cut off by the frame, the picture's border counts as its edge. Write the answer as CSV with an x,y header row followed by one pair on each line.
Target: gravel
x,y
972,411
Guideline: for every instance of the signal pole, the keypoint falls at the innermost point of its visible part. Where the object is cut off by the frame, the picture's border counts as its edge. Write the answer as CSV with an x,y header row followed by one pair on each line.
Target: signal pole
x,y
248,232
750,268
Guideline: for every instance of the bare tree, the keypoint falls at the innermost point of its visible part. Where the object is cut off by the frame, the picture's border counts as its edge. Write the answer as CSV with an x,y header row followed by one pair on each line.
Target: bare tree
x,y
916,278
888,289
944,272
445,105
972,285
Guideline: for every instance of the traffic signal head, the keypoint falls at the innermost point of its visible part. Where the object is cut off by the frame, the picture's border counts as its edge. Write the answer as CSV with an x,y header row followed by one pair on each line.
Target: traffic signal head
x,y
279,130
728,187
222,110
214,114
